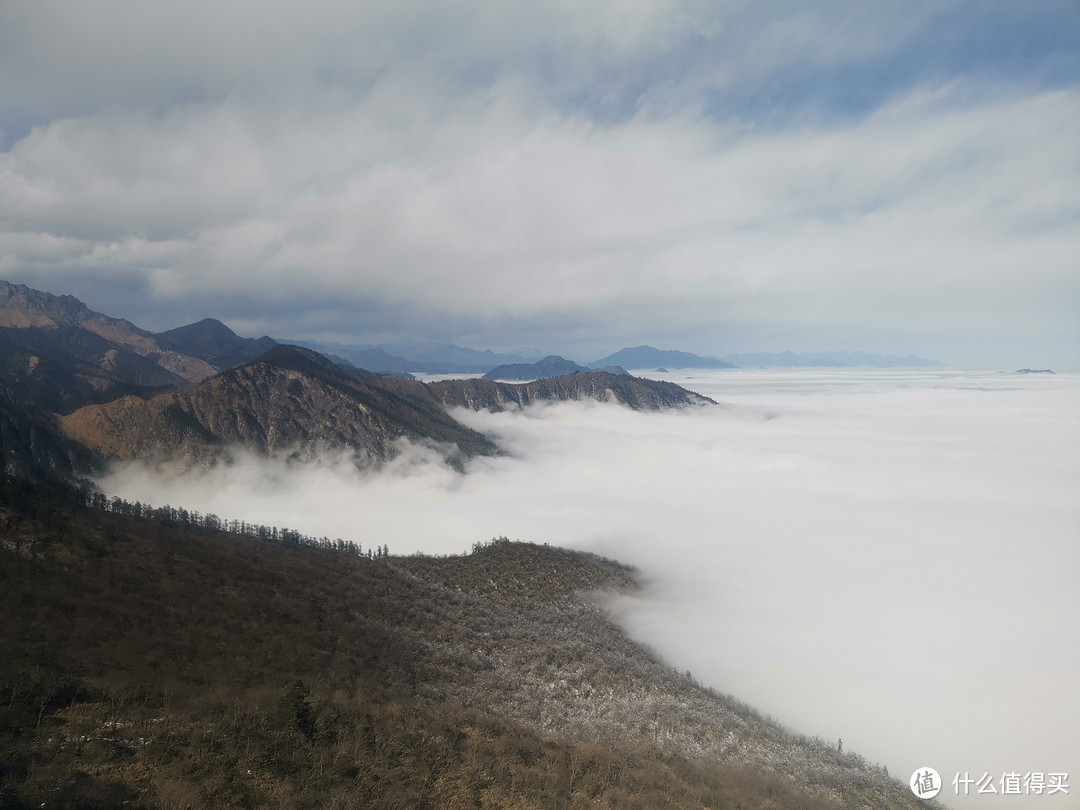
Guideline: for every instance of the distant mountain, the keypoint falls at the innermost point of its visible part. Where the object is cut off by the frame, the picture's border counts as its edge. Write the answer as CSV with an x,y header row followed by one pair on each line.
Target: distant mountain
x,y
297,401
214,342
648,357
426,358
457,359
827,360
126,393
550,366
368,358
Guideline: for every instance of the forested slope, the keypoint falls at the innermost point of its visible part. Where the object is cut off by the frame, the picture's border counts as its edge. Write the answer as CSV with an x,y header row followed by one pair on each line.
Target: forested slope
x,y
158,665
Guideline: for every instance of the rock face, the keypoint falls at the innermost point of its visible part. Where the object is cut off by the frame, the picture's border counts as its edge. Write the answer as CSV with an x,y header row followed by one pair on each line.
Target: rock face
x,y
550,366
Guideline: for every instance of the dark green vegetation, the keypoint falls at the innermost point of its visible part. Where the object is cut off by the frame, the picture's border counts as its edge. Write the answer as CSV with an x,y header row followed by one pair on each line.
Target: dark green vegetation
x,y
155,665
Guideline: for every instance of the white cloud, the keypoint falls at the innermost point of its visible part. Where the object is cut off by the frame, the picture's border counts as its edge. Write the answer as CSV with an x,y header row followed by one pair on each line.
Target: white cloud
x,y
497,213
492,171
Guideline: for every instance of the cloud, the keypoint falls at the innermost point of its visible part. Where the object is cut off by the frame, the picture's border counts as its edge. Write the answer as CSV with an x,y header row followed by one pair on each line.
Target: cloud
x,y
544,174
493,215
883,557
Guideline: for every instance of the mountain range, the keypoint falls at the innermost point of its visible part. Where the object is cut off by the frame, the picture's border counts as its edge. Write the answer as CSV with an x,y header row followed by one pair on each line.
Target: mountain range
x,y
445,358
78,388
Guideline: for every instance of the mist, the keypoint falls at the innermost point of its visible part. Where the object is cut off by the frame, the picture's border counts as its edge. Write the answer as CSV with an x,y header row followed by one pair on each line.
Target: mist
x,y
889,558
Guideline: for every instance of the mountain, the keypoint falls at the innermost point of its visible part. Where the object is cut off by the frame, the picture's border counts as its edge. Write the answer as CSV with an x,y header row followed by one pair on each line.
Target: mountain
x,y
124,393
367,358
112,344
154,660
214,342
648,357
550,366
290,399
426,358
295,400
455,359
828,359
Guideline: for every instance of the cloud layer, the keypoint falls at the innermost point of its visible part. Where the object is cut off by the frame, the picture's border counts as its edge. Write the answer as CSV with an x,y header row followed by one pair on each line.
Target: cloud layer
x,y
886,558
548,175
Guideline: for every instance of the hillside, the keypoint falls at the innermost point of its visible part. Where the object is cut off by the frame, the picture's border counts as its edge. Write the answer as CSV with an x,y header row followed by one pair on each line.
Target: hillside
x,y
33,446
290,399
158,665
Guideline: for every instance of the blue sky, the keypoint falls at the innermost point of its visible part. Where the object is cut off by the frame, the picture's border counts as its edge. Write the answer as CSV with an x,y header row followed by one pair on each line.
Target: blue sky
x,y
716,177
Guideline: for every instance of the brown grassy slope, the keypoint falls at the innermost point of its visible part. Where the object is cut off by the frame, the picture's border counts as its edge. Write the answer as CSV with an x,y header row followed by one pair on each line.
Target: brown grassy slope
x,y
168,668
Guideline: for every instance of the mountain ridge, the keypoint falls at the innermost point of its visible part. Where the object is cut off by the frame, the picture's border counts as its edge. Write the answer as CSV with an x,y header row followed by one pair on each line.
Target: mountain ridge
x,y
650,357
297,401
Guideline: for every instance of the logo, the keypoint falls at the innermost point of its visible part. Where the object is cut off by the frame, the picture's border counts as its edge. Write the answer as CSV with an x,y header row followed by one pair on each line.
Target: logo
x,y
925,783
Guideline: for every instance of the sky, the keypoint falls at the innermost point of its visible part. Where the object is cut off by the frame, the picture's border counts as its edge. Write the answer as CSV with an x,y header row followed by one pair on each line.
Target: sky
x,y
715,177
884,557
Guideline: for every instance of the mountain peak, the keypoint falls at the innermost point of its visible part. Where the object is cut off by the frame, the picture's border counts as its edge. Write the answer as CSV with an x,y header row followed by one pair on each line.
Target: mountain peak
x,y
22,306
550,366
214,342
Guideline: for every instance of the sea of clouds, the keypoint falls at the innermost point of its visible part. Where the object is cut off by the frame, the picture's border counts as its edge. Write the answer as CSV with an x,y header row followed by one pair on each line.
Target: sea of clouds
x,y
886,557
